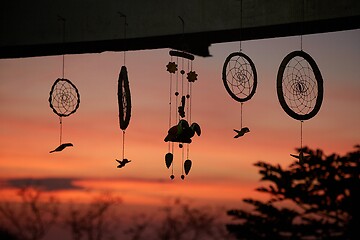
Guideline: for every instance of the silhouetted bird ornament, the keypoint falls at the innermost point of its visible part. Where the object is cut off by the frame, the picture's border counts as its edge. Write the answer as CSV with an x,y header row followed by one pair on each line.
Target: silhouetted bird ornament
x,y
301,157
240,133
122,163
182,132
62,147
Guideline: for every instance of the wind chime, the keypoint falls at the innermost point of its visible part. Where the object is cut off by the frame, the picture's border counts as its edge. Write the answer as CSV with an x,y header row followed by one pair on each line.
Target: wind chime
x,y
183,131
300,89
64,97
124,101
240,79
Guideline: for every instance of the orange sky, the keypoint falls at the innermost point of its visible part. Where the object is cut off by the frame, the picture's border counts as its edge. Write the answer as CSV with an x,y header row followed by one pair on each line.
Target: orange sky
x,y
223,171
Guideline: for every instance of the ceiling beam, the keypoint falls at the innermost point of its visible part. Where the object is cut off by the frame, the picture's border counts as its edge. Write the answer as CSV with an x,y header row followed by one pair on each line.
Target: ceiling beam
x,y
35,28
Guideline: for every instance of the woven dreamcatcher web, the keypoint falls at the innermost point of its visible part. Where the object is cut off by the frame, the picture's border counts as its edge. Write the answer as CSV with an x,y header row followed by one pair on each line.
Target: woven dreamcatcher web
x,y
300,89
64,100
299,86
64,97
240,78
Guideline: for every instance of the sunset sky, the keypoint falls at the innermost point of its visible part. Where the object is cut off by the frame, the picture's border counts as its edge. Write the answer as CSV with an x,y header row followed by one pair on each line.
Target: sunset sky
x,y
222,171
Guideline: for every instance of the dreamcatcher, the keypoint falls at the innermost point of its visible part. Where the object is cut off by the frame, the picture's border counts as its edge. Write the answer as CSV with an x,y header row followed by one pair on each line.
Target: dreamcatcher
x,y
300,90
64,98
124,102
183,130
240,80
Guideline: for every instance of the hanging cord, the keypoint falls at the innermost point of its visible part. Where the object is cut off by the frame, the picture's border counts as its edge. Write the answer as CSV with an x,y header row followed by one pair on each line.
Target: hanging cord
x,y
240,24
125,25
188,105
241,106
123,145
182,161
177,90
301,122
60,119
183,32
170,100
60,18
182,77
302,24
173,163
190,93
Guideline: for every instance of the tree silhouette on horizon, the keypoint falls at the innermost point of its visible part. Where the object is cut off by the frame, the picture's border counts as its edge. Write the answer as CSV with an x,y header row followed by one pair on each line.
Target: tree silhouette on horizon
x,y
318,199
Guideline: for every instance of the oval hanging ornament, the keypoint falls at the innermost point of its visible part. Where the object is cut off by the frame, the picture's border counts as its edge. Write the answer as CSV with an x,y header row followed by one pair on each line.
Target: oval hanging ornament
x,y
124,99
64,100
240,80
300,90
239,76
64,97
300,86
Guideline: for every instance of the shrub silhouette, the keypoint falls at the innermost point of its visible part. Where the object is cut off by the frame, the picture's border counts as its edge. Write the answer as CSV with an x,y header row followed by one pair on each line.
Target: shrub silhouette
x,y
321,197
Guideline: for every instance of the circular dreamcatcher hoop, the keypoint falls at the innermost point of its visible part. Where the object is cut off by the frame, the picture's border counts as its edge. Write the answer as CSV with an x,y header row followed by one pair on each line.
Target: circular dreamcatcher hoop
x,y
64,100
300,86
239,76
124,99
64,97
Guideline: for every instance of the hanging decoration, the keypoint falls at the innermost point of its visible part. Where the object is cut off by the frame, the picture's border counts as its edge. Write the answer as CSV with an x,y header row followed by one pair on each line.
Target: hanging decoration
x,y
240,79
300,89
124,101
64,97
181,128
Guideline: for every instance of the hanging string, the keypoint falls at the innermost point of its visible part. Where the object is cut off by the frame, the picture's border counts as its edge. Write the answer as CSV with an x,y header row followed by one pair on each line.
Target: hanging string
x,y
301,122
183,32
172,165
60,119
177,90
241,105
190,93
60,18
182,161
123,145
188,105
182,76
240,24
63,56
170,100
302,24
125,25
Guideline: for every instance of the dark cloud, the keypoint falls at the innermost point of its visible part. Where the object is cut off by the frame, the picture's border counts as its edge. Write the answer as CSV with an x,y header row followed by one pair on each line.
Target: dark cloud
x,y
45,184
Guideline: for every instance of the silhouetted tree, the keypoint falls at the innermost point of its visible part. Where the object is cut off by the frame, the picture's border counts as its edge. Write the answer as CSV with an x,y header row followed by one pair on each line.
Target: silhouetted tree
x,y
179,221
94,221
318,199
5,234
32,217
